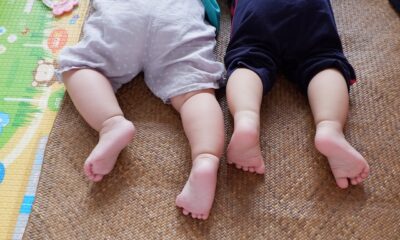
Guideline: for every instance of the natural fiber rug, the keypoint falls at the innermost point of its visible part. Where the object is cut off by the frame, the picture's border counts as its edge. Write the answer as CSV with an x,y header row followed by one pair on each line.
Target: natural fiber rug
x,y
296,199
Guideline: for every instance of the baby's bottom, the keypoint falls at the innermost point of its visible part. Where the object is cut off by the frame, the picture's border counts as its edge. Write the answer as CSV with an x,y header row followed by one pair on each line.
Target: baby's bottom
x,y
202,121
95,100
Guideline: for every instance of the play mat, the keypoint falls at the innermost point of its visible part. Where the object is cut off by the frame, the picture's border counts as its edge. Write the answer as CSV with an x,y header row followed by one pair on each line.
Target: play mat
x,y
31,38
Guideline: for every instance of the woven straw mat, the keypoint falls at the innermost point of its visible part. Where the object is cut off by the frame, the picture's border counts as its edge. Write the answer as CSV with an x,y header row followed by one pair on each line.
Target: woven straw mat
x,y
296,199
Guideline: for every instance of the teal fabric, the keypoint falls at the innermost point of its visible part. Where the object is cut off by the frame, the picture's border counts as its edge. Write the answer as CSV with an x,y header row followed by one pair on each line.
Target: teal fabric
x,y
213,12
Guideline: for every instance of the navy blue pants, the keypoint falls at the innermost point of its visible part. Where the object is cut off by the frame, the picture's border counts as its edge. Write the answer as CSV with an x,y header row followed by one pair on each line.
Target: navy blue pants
x,y
296,37
396,4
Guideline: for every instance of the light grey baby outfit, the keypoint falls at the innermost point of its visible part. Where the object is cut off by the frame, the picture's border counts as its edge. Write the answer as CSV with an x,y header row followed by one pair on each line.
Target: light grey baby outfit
x,y
168,40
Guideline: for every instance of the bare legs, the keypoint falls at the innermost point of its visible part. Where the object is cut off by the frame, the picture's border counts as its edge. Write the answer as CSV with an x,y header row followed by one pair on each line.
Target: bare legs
x,y
94,98
202,121
329,100
203,124
244,95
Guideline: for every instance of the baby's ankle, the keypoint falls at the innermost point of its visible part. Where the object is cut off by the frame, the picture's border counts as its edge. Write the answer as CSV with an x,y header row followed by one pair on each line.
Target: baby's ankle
x,y
247,119
206,156
329,125
246,115
117,121
204,164
113,120
328,132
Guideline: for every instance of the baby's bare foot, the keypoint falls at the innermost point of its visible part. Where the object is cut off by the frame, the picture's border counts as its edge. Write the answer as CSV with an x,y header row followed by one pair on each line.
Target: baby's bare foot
x,y
198,193
346,163
115,135
244,147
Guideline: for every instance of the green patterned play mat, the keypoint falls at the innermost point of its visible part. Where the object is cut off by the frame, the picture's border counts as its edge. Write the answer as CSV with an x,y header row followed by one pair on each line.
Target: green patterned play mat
x,y
30,41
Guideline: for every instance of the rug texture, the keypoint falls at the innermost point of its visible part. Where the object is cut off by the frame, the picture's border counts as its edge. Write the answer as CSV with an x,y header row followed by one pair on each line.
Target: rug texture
x,y
296,199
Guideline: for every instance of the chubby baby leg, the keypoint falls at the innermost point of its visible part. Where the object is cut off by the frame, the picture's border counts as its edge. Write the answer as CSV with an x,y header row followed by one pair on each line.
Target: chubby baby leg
x,y
244,94
94,98
202,121
329,100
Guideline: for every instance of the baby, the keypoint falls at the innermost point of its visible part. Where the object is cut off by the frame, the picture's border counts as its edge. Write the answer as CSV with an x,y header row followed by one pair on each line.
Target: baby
x,y
172,44
299,38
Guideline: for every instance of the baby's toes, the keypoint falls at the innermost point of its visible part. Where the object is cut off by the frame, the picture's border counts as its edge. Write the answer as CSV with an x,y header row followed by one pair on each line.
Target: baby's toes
x,y
238,166
364,174
87,168
359,179
185,212
342,182
199,216
196,216
97,177
260,169
354,181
